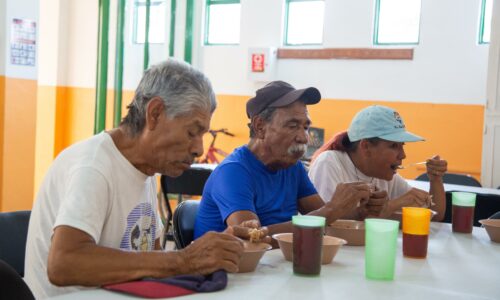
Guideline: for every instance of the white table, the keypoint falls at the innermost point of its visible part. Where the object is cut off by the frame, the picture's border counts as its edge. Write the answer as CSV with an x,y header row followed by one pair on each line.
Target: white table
x,y
458,266
424,185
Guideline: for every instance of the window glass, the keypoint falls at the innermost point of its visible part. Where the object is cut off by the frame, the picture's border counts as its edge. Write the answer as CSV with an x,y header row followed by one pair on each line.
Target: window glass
x,y
397,22
485,30
157,15
223,22
304,23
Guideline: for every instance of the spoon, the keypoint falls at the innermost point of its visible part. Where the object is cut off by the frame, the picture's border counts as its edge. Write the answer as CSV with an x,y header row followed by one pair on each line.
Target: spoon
x,y
411,165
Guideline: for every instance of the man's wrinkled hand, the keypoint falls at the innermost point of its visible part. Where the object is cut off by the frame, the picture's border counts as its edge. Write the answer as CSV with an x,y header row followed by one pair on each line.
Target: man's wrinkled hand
x,y
211,252
250,230
347,196
377,203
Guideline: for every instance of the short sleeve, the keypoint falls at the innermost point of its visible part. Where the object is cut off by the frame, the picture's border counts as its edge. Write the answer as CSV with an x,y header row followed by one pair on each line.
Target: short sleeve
x,y
399,187
306,187
325,176
86,202
232,189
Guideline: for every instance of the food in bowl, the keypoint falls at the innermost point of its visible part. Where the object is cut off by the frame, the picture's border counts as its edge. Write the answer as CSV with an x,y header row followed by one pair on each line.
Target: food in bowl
x,y
492,227
350,230
331,245
252,253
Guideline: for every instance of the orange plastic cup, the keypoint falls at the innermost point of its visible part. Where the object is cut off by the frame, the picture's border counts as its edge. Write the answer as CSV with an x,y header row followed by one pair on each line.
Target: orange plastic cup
x,y
416,226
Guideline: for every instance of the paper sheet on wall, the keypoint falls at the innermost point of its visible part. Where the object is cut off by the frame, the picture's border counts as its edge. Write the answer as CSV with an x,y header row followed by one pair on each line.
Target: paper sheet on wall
x,y
23,42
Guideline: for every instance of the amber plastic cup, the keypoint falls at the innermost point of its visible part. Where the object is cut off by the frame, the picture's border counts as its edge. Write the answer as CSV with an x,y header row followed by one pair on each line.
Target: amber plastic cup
x,y
462,211
308,234
416,227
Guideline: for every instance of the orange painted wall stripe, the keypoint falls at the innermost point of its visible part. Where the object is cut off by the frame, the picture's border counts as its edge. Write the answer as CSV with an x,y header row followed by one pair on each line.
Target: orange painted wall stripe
x,y
19,144
2,120
454,131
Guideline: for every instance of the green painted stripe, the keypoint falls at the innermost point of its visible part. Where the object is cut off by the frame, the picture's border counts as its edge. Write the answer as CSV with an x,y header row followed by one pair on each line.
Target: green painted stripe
x,y
102,67
188,39
120,23
146,36
171,45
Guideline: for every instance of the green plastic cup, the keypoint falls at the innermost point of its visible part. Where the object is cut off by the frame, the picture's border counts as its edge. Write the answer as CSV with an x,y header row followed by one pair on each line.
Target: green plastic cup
x,y
380,248
308,234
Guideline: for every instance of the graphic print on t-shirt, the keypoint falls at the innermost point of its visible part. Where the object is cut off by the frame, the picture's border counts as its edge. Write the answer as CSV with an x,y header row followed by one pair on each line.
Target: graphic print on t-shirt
x,y
140,234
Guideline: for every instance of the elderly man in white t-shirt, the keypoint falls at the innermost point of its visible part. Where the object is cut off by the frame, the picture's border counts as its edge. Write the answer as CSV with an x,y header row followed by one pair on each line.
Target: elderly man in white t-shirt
x,y
94,221
371,151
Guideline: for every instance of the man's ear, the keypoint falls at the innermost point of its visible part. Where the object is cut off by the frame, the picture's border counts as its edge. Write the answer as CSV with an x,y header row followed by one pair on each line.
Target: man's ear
x,y
259,127
155,109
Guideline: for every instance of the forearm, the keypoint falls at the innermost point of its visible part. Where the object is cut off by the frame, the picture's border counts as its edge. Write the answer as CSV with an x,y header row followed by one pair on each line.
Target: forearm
x,y
95,266
438,197
328,213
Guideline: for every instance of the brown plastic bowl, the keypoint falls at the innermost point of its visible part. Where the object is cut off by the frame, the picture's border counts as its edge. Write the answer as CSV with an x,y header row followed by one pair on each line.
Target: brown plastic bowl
x,y
351,231
251,256
492,227
331,245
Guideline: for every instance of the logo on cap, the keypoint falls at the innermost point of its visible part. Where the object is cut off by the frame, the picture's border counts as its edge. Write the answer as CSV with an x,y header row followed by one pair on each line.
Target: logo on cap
x,y
397,117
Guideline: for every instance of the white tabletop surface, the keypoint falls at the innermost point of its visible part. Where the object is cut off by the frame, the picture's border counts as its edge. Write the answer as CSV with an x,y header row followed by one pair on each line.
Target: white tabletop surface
x,y
424,185
458,266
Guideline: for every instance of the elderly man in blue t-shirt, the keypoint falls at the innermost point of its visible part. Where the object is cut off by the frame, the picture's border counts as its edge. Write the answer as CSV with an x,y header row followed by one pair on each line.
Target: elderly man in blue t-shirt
x,y
264,180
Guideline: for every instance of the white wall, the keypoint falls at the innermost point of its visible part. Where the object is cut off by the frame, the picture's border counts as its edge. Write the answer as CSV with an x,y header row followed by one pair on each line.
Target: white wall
x,y
448,65
21,9
490,172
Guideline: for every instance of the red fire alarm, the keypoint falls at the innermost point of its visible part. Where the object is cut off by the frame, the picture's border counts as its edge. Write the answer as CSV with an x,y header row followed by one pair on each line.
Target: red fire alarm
x,y
258,62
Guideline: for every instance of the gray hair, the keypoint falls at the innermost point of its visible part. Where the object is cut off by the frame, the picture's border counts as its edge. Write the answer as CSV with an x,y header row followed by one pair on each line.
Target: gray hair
x,y
181,87
267,115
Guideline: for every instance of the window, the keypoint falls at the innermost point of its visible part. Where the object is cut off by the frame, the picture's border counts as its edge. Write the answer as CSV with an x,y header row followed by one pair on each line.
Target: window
x,y
222,22
397,22
304,22
157,15
485,24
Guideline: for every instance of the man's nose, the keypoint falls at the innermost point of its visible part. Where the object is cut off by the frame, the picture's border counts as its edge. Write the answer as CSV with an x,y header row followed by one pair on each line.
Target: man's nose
x,y
197,148
302,137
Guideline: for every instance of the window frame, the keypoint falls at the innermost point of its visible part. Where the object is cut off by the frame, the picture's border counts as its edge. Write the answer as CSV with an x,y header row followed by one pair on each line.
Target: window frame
x,y
481,24
285,39
209,3
377,23
136,4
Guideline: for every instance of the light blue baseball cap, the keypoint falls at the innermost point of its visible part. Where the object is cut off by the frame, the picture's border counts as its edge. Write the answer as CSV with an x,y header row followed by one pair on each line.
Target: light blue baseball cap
x,y
381,122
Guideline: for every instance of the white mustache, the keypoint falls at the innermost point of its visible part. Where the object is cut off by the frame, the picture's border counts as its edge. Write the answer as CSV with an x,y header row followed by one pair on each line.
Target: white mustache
x,y
297,148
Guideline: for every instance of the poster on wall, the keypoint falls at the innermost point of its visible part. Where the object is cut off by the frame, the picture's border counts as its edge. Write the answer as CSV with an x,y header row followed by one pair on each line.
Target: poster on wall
x,y
316,140
23,42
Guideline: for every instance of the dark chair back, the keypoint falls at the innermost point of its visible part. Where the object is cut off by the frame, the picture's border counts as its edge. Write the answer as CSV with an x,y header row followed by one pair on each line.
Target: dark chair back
x,y
191,182
452,178
495,215
12,285
184,219
13,234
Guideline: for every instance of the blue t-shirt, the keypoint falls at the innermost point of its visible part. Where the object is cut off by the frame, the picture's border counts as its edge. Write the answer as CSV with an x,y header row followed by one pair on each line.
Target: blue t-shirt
x,y
242,182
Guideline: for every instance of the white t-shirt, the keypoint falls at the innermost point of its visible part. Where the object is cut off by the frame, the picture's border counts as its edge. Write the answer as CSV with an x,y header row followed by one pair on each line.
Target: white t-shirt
x,y
90,186
333,167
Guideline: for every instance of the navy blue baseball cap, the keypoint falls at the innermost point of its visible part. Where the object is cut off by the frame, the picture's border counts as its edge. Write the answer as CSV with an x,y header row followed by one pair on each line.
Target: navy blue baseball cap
x,y
279,94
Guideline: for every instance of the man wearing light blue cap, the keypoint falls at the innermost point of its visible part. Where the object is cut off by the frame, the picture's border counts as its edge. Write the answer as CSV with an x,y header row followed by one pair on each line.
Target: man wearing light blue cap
x,y
371,151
